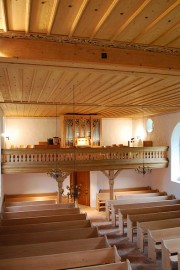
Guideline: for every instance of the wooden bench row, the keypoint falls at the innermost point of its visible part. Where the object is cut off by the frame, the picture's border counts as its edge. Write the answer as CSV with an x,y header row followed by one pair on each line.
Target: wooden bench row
x,y
155,238
47,248
37,207
40,213
104,195
47,236
40,227
41,219
145,209
143,227
132,200
63,260
133,219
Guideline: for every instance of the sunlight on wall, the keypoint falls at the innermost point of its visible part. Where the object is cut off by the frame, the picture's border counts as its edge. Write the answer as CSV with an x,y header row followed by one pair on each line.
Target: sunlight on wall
x,y
175,154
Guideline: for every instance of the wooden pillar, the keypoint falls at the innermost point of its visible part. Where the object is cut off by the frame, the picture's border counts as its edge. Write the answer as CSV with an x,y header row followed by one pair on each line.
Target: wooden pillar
x,y
111,175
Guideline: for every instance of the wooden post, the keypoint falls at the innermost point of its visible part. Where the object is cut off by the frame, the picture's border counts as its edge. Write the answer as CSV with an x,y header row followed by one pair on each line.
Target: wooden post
x,y
111,175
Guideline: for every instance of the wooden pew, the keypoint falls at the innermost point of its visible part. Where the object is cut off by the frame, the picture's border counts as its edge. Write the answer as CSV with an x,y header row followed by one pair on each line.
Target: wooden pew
x,y
25,197
170,247
39,249
29,203
111,266
125,189
48,236
40,213
101,198
155,238
37,207
47,219
133,219
40,227
133,201
143,227
138,195
122,213
63,260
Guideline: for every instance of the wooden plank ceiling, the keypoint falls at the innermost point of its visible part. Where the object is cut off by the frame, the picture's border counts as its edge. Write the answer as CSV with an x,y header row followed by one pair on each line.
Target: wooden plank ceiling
x,y
34,88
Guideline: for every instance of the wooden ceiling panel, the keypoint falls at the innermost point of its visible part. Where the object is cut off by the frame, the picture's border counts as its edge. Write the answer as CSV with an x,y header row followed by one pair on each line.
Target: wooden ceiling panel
x,y
16,12
40,15
160,26
109,57
38,83
171,37
117,18
66,16
142,20
95,13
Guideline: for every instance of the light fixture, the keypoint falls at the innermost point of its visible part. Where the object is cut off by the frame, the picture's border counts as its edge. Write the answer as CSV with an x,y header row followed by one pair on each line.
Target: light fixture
x,y
143,169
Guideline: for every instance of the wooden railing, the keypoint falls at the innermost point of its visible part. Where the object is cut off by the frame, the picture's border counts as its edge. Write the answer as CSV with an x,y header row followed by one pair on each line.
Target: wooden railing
x,y
82,159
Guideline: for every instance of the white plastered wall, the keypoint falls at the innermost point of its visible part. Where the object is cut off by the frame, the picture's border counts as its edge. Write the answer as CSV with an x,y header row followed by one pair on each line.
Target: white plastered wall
x,y
161,136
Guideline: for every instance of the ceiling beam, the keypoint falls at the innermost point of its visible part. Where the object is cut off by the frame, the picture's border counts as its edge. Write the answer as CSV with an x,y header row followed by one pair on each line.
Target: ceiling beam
x,y
88,56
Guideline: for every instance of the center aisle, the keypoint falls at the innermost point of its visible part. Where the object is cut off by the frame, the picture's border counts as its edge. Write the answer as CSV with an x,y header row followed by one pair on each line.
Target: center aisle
x,y
126,249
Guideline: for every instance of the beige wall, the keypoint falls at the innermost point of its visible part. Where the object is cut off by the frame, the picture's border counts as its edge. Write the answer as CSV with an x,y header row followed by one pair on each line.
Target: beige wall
x,y
24,131
161,136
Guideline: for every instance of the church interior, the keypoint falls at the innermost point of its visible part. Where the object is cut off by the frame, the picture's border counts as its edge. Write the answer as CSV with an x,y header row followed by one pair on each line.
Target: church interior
x,y
90,134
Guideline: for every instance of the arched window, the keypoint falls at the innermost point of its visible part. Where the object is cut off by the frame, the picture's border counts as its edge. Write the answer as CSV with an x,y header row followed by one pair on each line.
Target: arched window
x,y
175,154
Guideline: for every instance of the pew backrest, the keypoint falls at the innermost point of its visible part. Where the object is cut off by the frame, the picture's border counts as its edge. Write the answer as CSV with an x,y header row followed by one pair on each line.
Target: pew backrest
x,y
52,201
139,195
48,236
133,201
40,213
158,224
47,219
37,207
45,226
39,249
144,210
125,189
153,216
63,260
